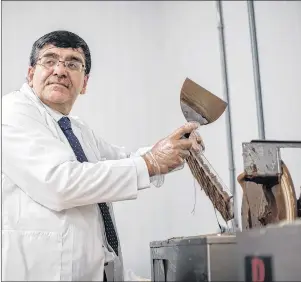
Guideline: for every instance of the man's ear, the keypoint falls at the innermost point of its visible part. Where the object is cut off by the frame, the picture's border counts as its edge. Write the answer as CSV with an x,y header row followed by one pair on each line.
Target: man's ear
x,y
83,91
30,74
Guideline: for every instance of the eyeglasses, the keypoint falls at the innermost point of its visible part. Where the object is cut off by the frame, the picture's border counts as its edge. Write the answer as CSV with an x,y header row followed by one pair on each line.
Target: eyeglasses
x,y
50,63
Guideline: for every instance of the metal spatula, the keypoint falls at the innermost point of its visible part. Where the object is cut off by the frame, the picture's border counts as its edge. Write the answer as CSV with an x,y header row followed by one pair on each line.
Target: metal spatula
x,y
198,104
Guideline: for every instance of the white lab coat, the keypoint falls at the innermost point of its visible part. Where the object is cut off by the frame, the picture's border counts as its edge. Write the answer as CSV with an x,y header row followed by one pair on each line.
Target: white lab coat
x,y
52,228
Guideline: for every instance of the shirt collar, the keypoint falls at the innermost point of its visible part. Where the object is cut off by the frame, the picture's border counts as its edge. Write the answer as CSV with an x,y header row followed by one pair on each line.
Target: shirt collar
x,y
55,114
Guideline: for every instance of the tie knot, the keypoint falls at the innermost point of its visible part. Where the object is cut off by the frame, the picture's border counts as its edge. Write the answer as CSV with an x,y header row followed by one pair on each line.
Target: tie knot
x,y
64,123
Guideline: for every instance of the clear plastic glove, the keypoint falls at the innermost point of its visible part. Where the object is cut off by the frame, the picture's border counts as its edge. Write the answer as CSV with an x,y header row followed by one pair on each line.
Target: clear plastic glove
x,y
171,152
197,147
198,144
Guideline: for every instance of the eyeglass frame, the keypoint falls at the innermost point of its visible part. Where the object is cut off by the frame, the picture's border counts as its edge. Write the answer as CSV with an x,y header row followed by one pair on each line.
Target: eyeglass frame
x,y
60,61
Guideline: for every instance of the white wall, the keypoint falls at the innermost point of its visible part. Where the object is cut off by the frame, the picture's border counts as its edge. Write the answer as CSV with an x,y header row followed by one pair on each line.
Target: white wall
x,y
141,54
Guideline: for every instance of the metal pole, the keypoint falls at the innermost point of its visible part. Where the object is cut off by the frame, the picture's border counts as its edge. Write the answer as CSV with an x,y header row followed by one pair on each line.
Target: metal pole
x,y
228,110
256,70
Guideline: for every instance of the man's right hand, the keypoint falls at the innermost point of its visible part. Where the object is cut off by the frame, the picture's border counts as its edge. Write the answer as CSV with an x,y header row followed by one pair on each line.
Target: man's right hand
x,y
170,152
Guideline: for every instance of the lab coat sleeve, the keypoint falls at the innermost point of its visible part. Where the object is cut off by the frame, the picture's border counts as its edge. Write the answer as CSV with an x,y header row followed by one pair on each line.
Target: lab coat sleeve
x,y
46,169
118,152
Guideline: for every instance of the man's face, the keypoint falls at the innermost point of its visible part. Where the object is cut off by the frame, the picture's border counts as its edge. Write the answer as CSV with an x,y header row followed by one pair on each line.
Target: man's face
x,y
56,85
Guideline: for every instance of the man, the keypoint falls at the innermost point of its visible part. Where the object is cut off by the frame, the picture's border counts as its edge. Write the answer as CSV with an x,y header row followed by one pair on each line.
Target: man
x,y
59,179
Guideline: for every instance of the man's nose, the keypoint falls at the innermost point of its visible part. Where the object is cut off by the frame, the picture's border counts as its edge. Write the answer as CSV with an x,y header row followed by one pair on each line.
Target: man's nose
x,y
60,69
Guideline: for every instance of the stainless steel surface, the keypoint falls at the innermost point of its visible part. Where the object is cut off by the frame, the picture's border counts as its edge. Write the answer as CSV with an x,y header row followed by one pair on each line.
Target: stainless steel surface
x,y
191,115
198,104
262,158
280,244
198,258
222,266
268,191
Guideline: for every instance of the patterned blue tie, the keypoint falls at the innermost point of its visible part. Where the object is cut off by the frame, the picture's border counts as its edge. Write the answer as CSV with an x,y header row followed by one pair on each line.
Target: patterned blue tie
x,y
111,235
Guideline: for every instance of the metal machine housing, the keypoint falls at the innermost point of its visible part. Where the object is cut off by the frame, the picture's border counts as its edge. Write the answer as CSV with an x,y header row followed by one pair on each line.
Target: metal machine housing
x,y
194,259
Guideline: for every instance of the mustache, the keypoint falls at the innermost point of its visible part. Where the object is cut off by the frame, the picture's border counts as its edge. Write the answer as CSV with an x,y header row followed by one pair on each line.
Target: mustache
x,y
63,83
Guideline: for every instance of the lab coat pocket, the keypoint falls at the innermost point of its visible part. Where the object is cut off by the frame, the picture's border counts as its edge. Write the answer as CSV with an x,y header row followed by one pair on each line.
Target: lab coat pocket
x,y
31,255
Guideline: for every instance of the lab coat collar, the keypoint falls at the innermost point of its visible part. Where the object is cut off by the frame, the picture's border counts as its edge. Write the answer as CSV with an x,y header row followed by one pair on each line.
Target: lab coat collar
x,y
30,92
